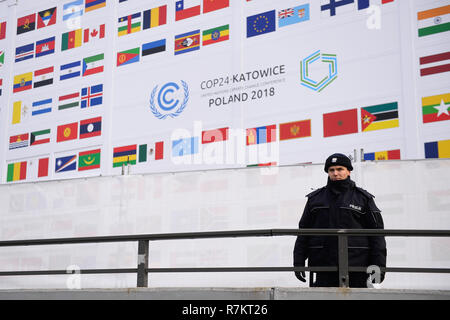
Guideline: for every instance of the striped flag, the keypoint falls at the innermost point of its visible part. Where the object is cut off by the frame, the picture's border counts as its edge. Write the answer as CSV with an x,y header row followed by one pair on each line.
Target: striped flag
x,y
16,171
70,70
216,35
434,21
436,108
45,47
187,42
71,100
155,17
20,112
383,155
437,149
153,47
1,86
23,82
40,137
90,128
186,9
260,135
124,155
71,39
19,141
156,151
41,106
93,64
24,52
72,10
434,64
94,33
43,77
88,160
26,23
129,24
92,96
383,116
91,5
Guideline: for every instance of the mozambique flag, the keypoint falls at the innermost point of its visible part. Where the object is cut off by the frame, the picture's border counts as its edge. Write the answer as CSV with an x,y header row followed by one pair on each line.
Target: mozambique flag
x,y
89,160
17,171
294,130
27,23
215,35
436,108
383,155
124,155
437,149
383,116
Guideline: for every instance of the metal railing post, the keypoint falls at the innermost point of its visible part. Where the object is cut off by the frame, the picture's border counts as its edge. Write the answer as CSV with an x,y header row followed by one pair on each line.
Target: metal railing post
x,y
343,261
142,275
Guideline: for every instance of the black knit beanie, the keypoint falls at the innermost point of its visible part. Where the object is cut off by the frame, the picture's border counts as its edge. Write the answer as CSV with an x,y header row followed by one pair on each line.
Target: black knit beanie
x,y
338,159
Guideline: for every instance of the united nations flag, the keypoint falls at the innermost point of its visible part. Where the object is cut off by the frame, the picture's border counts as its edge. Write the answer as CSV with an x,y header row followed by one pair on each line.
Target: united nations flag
x,y
261,23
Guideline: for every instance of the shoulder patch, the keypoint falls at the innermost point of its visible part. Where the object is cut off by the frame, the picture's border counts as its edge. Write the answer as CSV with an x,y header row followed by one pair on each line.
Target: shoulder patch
x,y
315,192
365,192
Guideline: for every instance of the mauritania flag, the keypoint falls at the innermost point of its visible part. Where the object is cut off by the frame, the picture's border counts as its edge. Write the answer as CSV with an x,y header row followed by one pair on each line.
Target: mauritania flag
x,y
66,163
93,64
73,10
215,35
88,160
434,21
16,171
437,149
129,24
383,116
124,155
41,106
70,70
293,15
436,108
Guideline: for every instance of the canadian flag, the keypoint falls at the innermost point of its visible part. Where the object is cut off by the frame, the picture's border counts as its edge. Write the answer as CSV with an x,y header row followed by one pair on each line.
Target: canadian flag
x,y
94,33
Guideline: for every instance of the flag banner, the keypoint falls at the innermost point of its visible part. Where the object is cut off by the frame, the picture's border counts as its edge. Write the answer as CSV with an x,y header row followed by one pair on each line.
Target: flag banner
x,y
268,164
26,23
216,35
437,149
92,96
68,101
71,39
435,64
294,130
213,5
261,23
91,5
70,70
153,47
45,46
383,155
16,171
67,132
17,112
93,64
2,30
129,24
46,18
433,21
39,137
215,135
24,52
294,15
142,153
187,42
260,135
185,146
124,156
128,56
1,86
154,17
43,77
156,151
91,34
2,57
42,106
378,117
90,128
72,10
66,163
19,141
436,108
23,82
186,9
43,165
88,160
340,123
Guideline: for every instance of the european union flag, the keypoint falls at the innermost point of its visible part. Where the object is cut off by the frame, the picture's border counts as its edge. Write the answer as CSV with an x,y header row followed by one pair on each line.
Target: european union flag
x,y
261,23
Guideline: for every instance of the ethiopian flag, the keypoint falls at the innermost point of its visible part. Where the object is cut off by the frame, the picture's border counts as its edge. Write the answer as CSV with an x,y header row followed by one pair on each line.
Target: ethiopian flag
x,y
215,35
382,116
436,108
17,171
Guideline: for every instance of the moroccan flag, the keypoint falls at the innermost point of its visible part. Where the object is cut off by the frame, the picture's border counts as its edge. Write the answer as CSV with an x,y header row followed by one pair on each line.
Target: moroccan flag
x,y
433,21
46,18
155,17
27,23
260,135
215,135
294,130
17,171
89,160
2,30
71,39
67,132
213,5
437,149
124,155
90,128
383,116
215,35
340,123
383,155
436,108
128,56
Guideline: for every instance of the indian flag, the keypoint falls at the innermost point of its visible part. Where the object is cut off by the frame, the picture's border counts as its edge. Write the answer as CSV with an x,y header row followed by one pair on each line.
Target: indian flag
x,y
17,171
434,21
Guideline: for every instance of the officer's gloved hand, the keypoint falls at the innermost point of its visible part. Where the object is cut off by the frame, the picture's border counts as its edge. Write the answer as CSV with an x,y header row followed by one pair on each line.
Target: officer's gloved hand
x,y
300,275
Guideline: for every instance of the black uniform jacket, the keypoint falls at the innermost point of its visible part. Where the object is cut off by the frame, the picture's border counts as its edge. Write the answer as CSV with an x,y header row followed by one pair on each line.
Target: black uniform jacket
x,y
354,208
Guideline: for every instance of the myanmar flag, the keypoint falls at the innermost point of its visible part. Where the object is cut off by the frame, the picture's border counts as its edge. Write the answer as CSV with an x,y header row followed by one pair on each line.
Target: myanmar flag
x,y
89,160
17,171
383,116
436,108
213,5
437,149
340,123
128,56
294,130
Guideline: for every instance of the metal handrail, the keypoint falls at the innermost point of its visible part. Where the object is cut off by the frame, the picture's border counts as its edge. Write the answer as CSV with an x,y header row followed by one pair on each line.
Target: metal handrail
x,y
143,240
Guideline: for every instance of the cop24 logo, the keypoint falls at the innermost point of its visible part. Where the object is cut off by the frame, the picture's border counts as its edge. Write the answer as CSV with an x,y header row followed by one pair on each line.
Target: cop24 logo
x,y
169,100
317,76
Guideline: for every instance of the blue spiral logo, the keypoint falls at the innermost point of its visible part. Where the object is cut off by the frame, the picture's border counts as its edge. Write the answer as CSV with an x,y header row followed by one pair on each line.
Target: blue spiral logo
x,y
166,100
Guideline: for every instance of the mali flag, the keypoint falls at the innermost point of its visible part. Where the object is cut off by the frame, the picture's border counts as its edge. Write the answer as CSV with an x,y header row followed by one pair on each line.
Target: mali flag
x,y
436,108
383,116
340,123
213,5
89,160
17,171
437,149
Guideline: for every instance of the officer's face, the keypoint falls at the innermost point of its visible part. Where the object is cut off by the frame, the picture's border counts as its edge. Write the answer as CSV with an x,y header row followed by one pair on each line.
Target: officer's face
x,y
338,173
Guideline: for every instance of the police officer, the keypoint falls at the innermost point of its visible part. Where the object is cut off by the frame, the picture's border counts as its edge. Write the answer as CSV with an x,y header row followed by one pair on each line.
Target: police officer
x,y
340,205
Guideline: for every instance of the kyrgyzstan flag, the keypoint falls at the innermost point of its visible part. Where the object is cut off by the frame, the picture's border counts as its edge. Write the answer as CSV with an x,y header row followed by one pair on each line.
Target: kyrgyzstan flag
x,y
339,123
213,5
67,132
